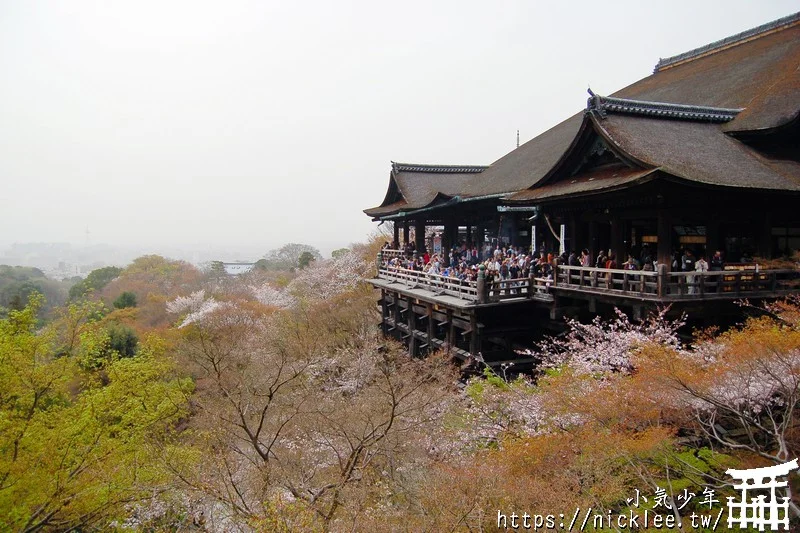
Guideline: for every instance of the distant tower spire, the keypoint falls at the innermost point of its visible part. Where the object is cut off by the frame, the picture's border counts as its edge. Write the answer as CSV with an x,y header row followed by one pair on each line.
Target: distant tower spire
x,y
87,235
517,138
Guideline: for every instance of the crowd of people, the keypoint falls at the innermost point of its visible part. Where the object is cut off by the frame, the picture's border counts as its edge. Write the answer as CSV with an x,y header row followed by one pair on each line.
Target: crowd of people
x,y
506,262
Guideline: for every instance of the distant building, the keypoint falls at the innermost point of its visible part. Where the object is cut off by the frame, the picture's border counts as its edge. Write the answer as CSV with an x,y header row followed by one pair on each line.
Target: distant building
x,y
235,269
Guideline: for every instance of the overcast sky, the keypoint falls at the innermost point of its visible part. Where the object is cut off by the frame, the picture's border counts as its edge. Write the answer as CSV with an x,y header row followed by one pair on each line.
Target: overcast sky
x,y
254,123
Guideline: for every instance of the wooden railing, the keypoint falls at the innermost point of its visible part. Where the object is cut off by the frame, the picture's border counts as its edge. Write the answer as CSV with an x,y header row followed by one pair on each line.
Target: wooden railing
x,y
665,285
497,290
475,291
626,282
467,290
731,283
637,284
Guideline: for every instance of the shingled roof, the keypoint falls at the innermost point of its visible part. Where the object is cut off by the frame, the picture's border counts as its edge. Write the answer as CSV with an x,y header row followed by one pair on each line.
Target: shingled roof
x,y
678,120
415,186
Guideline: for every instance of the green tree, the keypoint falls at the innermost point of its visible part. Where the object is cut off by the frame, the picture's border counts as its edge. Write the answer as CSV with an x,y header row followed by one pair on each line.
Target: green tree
x,y
75,449
217,269
126,299
288,256
305,259
96,280
123,340
336,254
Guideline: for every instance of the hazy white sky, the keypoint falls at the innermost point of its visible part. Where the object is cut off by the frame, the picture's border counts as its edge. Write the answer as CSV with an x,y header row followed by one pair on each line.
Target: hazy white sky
x,y
254,123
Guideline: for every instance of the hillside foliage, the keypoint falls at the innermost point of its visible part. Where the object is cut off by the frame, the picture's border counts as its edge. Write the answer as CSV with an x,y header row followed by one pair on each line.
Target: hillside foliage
x,y
269,401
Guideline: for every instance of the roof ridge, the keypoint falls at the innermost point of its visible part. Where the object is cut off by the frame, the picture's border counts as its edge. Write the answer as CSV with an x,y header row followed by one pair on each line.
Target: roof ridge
x,y
438,169
605,104
727,42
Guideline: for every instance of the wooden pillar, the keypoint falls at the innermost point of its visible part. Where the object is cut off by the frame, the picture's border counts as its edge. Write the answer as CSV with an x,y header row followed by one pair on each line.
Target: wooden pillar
x,y
592,245
474,338
447,242
664,251
405,232
451,332
412,325
574,236
662,280
764,236
514,231
483,295
419,235
555,271
480,232
713,241
431,328
618,240
397,310
396,242
384,312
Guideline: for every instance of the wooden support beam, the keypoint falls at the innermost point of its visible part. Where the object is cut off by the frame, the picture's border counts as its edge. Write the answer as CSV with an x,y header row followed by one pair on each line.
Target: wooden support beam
x,y
419,235
451,333
412,341
664,251
384,312
431,324
474,338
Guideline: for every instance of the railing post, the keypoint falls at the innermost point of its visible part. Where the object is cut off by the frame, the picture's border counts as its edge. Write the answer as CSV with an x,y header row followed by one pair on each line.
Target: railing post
x,y
702,283
379,261
738,282
555,272
661,281
531,283
482,292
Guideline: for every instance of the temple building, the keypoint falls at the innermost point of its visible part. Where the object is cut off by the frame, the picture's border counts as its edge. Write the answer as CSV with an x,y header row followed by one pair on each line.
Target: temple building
x,y
702,155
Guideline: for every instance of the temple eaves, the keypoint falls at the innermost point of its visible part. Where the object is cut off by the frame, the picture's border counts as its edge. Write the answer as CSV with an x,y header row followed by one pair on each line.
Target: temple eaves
x,y
607,104
438,169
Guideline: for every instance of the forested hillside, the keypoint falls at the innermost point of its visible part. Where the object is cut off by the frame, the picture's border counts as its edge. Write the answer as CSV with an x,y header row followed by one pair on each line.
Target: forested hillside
x,y
170,398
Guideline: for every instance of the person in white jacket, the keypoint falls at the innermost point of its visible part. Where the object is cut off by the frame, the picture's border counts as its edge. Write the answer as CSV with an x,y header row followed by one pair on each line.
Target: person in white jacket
x,y
700,266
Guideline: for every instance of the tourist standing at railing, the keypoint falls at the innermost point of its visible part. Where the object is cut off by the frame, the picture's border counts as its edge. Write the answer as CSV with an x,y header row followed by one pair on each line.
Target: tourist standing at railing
x,y
700,266
649,264
601,260
586,259
687,265
573,259
630,264
717,263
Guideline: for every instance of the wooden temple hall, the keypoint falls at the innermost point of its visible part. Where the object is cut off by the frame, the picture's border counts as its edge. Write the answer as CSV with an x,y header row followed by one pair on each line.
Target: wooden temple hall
x,y
701,155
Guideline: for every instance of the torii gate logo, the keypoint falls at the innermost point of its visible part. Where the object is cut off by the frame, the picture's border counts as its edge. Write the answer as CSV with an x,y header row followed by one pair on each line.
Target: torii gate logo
x,y
759,512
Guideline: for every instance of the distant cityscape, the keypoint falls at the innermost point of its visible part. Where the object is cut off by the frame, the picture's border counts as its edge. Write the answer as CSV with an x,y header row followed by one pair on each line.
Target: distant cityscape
x,y
61,261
